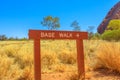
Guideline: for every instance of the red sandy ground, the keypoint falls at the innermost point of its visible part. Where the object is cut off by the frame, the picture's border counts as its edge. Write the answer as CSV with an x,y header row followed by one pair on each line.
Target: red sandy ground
x,y
101,74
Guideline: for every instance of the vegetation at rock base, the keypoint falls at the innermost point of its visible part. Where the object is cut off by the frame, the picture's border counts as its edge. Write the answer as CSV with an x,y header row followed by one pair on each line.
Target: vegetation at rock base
x,y
114,25
111,35
113,31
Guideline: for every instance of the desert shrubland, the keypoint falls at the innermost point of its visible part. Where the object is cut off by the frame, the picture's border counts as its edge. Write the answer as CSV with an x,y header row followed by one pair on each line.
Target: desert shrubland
x,y
17,60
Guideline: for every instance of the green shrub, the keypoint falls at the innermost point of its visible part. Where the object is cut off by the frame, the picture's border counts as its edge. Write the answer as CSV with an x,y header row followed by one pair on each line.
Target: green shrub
x,y
114,24
111,35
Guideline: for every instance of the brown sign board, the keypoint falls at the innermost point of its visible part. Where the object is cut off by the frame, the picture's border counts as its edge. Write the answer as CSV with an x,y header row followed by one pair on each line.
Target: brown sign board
x,y
37,35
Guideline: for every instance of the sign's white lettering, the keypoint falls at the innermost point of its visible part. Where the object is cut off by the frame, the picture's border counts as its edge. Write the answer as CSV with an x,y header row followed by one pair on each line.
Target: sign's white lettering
x,y
50,35
57,34
67,35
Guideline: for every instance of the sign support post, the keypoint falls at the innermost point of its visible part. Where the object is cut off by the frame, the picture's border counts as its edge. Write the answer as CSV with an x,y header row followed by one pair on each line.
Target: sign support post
x,y
37,35
80,58
37,59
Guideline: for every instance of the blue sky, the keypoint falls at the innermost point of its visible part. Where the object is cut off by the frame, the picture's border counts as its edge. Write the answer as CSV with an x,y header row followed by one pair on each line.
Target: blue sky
x,y
18,16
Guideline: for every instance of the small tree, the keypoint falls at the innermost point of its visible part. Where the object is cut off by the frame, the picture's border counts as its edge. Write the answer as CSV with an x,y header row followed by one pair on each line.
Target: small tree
x,y
52,23
11,38
75,26
90,31
3,37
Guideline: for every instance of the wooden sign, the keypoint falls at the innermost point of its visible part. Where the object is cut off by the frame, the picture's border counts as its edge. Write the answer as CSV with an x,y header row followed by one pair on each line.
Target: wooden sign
x,y
37,35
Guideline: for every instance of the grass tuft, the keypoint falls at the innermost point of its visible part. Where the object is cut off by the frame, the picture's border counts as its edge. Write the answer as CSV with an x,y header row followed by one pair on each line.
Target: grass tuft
x,y
108,56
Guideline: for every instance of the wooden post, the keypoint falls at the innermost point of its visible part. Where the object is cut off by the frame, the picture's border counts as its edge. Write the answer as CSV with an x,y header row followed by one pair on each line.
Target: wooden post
x,y
80,59
37,59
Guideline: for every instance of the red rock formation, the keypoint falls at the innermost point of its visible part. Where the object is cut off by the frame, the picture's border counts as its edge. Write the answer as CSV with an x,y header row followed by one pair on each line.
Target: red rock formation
x,y
114,13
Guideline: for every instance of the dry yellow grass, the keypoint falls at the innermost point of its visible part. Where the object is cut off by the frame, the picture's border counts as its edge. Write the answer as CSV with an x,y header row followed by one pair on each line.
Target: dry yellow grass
x,y
108,56
17,63
16,58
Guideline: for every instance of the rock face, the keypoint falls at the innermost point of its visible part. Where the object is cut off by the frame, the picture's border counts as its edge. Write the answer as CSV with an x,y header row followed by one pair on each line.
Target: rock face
x,y
114,13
